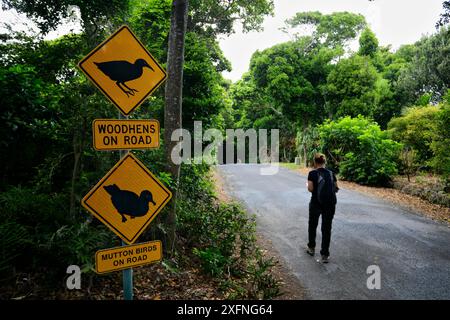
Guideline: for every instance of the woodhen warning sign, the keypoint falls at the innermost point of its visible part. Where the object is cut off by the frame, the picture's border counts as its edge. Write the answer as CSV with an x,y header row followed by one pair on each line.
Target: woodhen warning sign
x,y
111,134
121,258
123,69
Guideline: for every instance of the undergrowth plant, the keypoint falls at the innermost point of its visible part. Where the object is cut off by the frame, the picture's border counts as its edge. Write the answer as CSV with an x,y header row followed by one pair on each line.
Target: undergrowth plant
x,y
223,237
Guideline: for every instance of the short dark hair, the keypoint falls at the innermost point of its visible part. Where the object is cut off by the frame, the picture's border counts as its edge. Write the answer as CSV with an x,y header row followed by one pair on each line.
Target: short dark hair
x,y
319,158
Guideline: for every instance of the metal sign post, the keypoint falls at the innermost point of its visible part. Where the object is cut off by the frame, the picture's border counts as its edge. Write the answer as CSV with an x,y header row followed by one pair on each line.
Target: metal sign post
x,y
127,282
127,274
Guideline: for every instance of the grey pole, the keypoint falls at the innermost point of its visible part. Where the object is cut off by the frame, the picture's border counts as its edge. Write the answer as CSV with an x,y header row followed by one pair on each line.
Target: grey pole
x,y
127,274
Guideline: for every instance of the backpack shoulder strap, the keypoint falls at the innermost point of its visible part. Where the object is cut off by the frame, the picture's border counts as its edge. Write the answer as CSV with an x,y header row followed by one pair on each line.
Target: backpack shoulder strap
x,y
319,174
333,181
331,173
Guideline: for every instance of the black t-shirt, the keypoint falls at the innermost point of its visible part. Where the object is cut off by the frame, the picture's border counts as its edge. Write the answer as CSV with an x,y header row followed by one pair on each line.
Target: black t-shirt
x,y
313,176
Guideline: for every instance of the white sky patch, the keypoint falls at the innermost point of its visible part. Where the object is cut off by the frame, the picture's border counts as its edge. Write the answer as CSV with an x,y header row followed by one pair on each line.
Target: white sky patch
x,y
395,22
21,23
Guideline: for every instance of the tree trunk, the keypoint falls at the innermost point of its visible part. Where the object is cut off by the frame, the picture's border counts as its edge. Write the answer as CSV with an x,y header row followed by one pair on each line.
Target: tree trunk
x,y
78,146
75,173
173,101
305,156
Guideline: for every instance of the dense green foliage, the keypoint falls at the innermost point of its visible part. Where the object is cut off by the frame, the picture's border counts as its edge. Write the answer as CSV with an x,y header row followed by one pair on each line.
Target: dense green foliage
x,y
222,236
360,150
417,128
429,70
211,17
301,85
441,145
285,84
425,130
351,88
368,43
331,30
445,16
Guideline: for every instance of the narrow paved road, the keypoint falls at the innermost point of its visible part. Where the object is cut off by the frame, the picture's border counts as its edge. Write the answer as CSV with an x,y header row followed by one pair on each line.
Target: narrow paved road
x,y
412,252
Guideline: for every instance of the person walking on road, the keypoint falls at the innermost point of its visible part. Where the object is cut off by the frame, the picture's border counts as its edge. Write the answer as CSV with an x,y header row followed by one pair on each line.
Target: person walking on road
x,y
322,184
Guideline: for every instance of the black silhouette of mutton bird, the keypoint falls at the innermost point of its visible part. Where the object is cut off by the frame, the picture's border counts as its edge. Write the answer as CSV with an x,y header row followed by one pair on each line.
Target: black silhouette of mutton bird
x,y
128,203
123,71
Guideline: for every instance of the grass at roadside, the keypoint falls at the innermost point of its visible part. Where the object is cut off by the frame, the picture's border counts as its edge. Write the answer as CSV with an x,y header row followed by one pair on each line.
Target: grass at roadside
x,y
295,167
291,166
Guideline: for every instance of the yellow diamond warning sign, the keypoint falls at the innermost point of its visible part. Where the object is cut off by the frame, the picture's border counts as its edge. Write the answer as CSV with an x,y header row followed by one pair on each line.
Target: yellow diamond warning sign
x,y
123,69
125,257
127,199
111,134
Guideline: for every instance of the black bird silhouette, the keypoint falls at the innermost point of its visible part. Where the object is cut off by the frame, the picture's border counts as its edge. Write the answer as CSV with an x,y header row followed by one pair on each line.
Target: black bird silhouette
x,y
128,203
123,71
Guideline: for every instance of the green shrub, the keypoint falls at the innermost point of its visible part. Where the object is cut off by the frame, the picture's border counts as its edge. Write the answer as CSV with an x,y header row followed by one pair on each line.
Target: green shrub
x,y
77,244
51,240
29,207
195,183
337,138
218,231
13,237
375,162
360,150
417,129
441,144
308,143
264,285
213,261
426,131
407,162
223,237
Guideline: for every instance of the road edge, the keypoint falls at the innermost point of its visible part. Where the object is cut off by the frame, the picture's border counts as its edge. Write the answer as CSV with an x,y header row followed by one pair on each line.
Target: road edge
x,y
291,287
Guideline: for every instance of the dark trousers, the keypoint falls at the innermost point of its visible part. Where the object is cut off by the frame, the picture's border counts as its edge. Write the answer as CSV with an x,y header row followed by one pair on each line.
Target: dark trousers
x,y
315,210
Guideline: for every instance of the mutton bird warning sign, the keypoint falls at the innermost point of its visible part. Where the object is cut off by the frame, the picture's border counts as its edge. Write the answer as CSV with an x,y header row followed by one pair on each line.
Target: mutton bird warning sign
x,y
127,199
125,257
123,69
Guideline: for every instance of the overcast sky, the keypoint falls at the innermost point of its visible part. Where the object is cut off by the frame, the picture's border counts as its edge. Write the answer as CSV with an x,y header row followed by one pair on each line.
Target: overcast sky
x,y
395,22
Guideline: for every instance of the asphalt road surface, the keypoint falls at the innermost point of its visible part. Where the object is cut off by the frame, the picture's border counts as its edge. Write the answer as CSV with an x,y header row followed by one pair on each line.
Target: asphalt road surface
x,y
411,251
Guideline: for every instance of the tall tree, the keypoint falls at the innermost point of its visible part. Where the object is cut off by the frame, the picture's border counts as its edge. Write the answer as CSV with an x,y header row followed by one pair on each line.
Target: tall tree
x,y
445,16
290,74
351,88
213,18
331,30
95,16
429,70
174,97
368,43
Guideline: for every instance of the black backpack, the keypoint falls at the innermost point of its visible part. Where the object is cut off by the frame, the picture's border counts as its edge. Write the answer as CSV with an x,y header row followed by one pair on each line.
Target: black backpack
x,y
326,188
